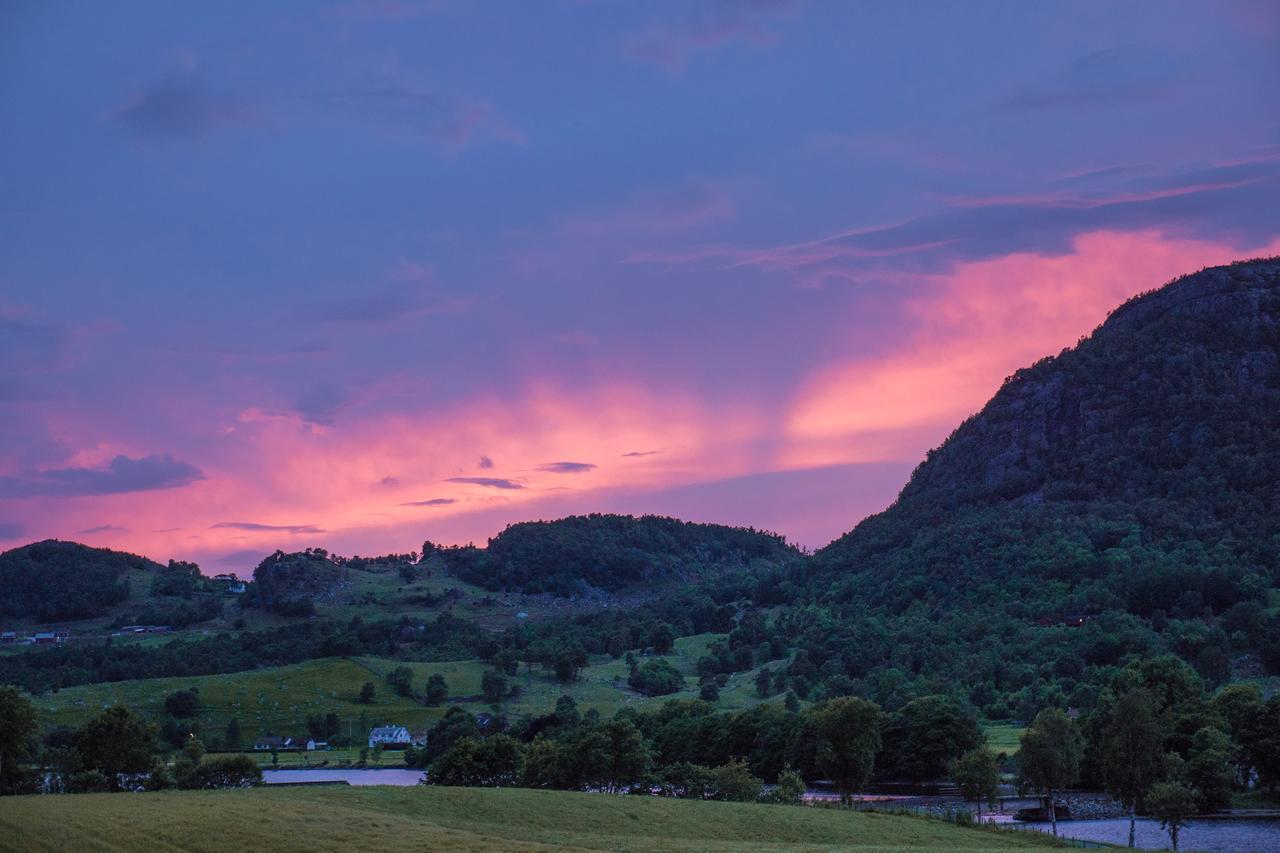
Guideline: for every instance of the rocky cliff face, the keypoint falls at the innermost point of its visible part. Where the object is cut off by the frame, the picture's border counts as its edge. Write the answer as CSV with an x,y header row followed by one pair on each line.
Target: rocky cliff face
x,y
1160,385
1161,429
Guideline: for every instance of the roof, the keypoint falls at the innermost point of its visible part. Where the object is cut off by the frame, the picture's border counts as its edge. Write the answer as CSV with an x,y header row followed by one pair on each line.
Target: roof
x,y
387,731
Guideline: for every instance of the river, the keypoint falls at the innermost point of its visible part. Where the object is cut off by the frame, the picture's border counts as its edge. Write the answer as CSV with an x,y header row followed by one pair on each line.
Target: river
x,y
1219,835
390,776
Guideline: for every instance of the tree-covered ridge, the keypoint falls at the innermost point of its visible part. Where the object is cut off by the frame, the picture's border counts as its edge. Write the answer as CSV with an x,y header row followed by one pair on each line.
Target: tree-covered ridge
x,y
1139,470
54,580
611,552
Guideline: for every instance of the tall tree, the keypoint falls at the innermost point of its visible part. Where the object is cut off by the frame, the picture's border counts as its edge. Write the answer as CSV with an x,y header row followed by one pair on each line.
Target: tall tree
x,y
848,738
1132,750
117,742
1171,803
17,728
1050,755
978,776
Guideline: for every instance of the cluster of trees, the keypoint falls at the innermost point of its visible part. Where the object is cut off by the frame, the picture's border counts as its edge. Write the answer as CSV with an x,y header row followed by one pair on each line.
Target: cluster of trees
x,y
687,748
53,580
115,751
572,555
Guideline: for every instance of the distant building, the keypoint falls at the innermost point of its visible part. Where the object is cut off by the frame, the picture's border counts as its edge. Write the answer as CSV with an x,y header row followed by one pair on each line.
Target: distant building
x,y
279,743
390,736
46,638
9,637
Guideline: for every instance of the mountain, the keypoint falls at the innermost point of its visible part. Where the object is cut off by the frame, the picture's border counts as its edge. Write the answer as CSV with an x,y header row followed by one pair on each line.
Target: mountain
x,y
53,580
610,552
1129,485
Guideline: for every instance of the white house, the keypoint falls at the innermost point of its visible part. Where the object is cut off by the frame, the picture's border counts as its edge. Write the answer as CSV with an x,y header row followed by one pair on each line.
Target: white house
x,y
389,735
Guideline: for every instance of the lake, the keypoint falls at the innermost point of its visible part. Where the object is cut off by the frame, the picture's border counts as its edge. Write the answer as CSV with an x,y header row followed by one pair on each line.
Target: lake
x,y
1227,835
390,776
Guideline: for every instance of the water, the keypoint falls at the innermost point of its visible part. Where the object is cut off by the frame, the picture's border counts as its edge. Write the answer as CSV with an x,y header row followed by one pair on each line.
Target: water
x,y
1226,835
352,777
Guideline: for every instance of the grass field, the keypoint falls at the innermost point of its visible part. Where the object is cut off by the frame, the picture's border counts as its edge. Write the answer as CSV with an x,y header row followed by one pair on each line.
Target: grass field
x,y
468,819
1003,737
279,699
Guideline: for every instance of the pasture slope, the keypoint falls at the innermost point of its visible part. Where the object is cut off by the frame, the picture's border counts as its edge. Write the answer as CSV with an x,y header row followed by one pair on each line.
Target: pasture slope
x,y
465,819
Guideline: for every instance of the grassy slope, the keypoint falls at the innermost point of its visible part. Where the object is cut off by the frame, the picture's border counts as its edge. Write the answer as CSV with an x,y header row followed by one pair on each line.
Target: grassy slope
x,y
312,819
279,699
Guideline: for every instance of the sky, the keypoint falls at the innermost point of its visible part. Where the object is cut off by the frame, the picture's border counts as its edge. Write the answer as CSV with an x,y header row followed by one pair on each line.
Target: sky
x,y
364,273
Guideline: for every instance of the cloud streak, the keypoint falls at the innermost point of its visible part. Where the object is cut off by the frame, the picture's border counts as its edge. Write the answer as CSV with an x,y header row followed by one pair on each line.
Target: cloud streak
x,y
256,527
487,482
122,474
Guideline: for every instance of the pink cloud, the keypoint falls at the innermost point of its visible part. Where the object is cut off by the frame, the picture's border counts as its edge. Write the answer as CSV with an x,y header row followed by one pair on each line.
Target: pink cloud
x,y
982,321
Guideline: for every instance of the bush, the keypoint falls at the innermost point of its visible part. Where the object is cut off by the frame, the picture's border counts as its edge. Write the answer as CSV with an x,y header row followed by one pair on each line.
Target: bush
x,y
225,771
87,782
656,678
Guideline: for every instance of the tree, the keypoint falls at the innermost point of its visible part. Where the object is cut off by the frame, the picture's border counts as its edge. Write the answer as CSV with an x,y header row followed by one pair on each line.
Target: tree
x,y
183,703
1239,706
18,728
926,735
848,738
764,682
367,693
656,678
437,690
1132,750
401,680
709,691
494,686
495,761
117,742
1208,769
734,782
1171,803
662,638
1050,755
568,660
790,788
231,738
978,776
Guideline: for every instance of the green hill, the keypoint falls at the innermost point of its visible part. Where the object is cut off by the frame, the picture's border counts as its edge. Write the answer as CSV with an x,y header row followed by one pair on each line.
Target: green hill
x,y
477,819
611,552
1119,499
53,581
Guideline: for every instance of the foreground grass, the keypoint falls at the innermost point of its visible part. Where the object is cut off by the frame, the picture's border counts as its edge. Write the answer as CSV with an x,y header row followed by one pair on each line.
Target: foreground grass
x,y
316,819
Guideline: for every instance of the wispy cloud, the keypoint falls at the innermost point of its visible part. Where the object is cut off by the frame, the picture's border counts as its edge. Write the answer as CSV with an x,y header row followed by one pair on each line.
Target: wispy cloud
x,y
256,527
487,482
181,107
1225,200
122,474
635,453
431,502
704,26
103,528
485,462
567,467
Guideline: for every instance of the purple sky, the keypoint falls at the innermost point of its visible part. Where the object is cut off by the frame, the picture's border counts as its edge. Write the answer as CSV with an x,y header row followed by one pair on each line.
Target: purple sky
x,y
364,273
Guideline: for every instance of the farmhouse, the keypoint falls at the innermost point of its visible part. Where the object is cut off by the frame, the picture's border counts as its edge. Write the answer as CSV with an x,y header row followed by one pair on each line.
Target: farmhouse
x,y
390,736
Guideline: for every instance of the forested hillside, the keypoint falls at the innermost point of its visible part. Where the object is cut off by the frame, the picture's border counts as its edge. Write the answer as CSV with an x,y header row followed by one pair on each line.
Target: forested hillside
x,y
1120,498
55,580
611,552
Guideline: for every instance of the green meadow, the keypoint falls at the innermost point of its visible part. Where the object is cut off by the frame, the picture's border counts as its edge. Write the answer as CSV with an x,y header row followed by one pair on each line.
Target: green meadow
x,y
465,819
279,699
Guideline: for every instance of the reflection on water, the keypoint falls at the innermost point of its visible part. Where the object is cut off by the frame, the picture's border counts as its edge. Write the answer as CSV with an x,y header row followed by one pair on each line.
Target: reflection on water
x,y
351,777
1212,836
